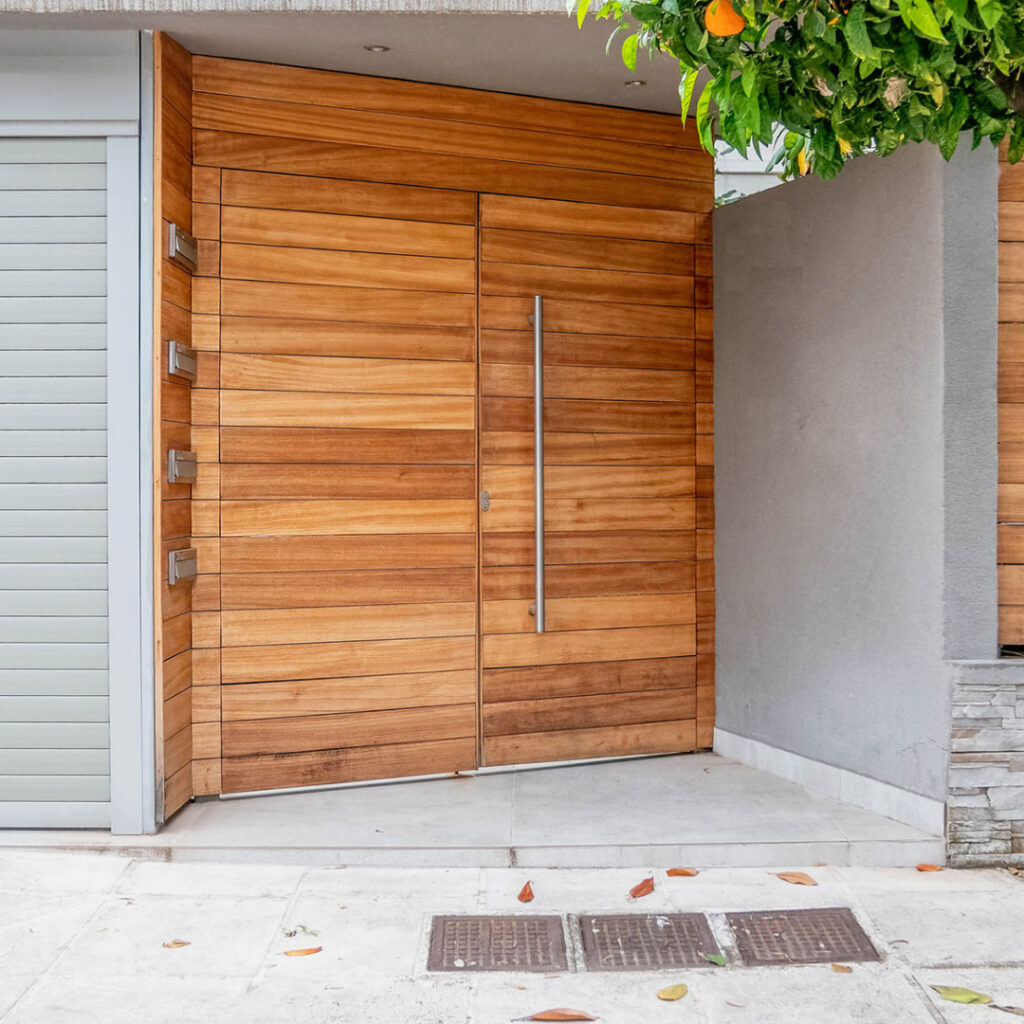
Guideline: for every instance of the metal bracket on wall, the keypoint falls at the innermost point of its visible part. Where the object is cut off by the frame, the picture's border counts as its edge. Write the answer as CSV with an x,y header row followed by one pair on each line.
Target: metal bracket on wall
x,y
182,249
181,361
181,467
181,565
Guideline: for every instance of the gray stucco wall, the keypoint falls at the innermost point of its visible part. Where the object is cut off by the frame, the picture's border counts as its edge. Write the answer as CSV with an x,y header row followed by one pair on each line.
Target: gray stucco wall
x,y
842,464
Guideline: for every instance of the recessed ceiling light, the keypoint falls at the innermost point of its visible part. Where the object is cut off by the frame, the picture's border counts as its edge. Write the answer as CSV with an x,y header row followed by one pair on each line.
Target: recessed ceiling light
x,y
376,48
634,83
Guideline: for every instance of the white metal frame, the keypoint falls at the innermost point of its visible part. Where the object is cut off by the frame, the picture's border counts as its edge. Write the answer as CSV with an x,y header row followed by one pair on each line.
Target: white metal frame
x,y
132,806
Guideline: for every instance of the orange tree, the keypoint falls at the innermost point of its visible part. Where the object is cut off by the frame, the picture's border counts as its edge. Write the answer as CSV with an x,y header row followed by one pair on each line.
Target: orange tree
x,y
838,77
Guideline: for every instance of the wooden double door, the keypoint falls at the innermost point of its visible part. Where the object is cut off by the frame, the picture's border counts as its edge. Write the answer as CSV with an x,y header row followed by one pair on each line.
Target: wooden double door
x,y
375,380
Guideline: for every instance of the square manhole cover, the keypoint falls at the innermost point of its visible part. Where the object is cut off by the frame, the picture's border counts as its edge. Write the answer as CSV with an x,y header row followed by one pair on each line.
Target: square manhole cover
x,y
645,942
800,936
492,943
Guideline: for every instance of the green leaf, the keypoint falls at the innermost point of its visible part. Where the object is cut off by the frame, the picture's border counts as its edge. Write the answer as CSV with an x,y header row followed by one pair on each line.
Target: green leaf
x,y
749,77
1016,147
990,11
714,958
954,994
922,17
686,87
581,12
856,31
629,48
702,120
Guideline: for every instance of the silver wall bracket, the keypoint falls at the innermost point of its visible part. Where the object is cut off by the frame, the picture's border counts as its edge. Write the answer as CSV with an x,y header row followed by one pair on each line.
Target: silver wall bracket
x,y
181,360
181,565
181,467
182,249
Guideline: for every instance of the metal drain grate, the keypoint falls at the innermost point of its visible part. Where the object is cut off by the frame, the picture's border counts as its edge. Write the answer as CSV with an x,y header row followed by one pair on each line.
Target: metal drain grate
x,y
800,936
645,942
512,943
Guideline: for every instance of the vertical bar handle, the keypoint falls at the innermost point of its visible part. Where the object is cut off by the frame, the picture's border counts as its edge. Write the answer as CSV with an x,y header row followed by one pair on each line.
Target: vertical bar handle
x,y
538,453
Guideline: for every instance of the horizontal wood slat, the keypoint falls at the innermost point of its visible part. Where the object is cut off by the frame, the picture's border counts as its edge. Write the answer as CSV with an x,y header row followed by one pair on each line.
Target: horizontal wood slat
x,y
273,82
361,729
303,481
286,155
306,445
275,336
249,702
315,768
430,136
308,230
549,681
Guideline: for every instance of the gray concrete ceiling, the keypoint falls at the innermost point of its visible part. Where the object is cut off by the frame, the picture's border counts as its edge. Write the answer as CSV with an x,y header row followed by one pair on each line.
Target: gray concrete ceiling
x,y
540,54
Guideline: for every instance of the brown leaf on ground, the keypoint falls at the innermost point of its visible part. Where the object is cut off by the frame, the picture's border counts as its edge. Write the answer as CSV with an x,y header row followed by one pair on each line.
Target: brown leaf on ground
x,y
842,969
644,888
560,1013
176,944
928,867
303,952
796,878
682,872
525,894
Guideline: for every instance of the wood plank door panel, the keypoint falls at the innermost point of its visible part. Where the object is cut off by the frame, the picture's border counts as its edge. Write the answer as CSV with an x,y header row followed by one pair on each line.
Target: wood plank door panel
x,y
616,671
348,585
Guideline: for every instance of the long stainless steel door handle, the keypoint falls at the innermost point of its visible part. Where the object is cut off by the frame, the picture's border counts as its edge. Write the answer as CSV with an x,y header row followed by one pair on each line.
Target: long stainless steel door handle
x,y
538,453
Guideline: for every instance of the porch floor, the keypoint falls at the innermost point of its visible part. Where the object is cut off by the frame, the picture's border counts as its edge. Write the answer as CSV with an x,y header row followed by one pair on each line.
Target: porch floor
x,y
699,809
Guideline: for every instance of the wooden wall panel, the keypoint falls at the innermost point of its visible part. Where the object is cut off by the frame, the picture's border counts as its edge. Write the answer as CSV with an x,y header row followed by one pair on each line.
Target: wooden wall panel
x,y
343,295
173,185
1011,404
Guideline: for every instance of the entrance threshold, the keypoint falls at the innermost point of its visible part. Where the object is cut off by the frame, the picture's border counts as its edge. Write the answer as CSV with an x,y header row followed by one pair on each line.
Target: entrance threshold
x,y
699,810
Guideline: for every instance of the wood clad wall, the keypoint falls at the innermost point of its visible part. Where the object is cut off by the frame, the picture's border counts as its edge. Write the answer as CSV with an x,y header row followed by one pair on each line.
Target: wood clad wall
x,y
316,352
1011,403
173,296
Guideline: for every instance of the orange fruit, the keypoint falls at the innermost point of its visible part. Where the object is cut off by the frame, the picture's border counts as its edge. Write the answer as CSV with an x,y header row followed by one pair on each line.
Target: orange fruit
x,y
721,20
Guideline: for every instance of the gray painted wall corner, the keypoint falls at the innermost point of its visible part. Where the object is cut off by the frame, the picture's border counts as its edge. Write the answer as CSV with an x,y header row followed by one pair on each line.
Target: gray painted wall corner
x,y
831,469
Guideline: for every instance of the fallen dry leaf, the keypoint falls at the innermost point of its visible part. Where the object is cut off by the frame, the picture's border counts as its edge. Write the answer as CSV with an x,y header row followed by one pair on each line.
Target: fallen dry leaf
x,y
796,878
955,994
560,1014
644,888
928,867
842,969
1015,1010
672,993
525,894
682,872
176,944
303,952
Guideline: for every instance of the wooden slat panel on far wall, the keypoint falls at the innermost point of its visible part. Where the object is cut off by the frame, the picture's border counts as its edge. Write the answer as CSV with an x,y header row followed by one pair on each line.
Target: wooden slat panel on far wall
x,y
360,92
605,741
428,136
359,729
313,768
244,702
404,167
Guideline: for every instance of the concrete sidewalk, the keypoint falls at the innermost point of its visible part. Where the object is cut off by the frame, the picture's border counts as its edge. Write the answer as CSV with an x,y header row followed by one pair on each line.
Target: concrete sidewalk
x,y
81,940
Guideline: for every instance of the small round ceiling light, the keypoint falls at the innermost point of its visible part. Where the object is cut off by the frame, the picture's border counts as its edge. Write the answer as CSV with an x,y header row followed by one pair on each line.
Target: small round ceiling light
x,y
376,48
634,83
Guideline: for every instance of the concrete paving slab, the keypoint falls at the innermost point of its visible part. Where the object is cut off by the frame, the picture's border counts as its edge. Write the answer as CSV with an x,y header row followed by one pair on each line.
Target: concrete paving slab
x,y
160,879
956,927
36,927
58,872
814,994
228,937
698,808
